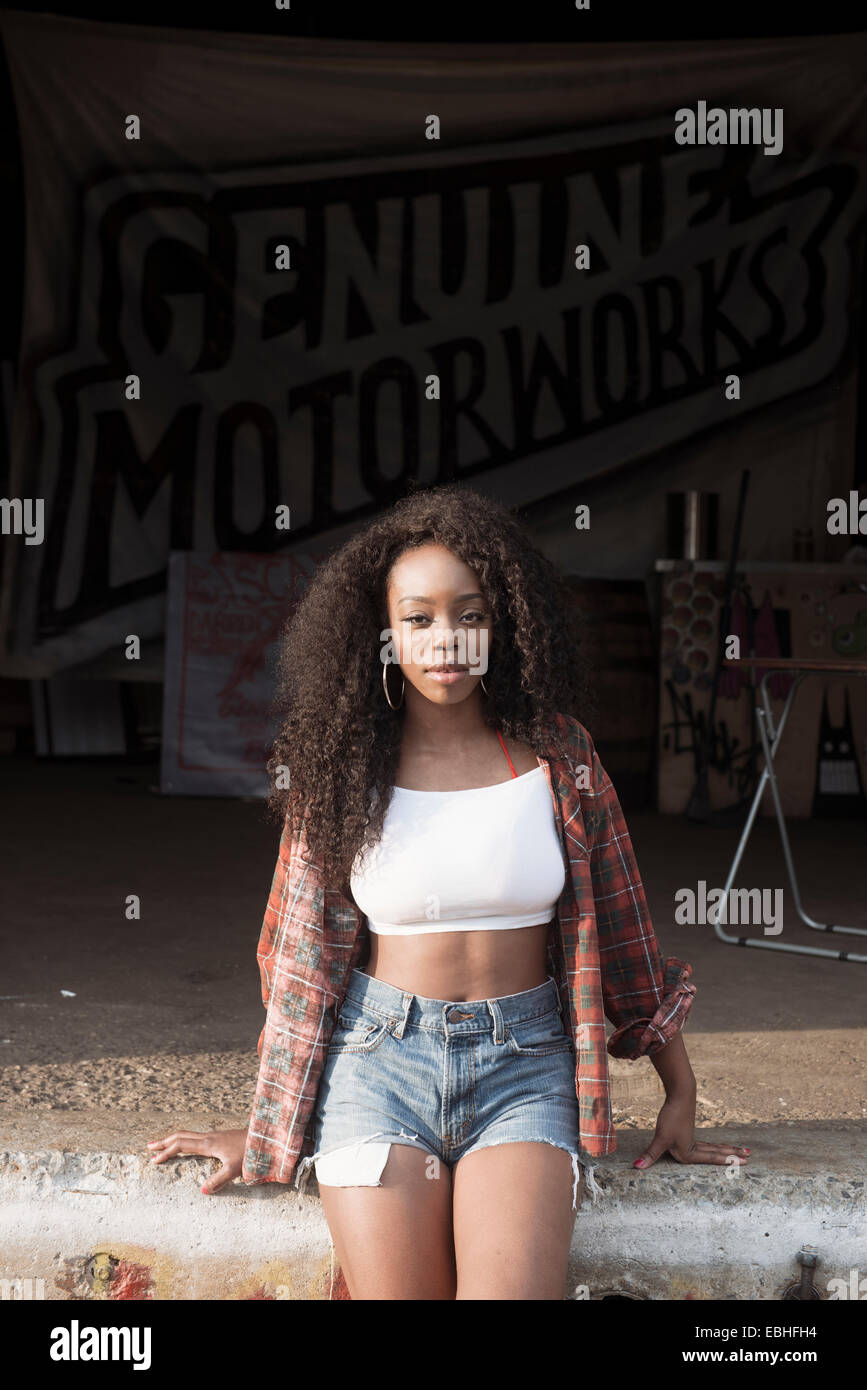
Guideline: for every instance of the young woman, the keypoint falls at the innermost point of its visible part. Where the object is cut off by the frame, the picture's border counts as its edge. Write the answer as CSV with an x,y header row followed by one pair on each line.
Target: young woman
x,y
456,909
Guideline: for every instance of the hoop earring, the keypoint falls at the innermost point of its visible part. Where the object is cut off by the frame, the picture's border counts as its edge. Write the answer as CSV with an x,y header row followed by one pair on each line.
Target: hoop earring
x,y
385,687
482,684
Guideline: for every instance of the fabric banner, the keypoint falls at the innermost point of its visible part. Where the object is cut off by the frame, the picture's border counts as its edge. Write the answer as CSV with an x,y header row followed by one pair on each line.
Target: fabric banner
x,y
267,275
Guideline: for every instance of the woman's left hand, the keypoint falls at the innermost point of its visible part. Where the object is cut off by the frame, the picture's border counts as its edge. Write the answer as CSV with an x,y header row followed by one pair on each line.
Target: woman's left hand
x,y
675,1134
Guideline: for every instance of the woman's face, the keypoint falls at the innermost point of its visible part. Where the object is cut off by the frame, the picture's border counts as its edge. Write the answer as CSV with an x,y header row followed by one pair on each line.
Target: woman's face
x,y
439,625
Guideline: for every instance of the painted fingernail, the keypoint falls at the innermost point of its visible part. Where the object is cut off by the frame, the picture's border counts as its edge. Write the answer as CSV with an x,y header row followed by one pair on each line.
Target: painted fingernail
x,y
639,1163
746,1151
206,1192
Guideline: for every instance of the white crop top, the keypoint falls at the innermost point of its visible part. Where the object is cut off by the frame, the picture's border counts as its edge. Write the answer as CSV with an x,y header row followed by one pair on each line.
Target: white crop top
x,y
483,859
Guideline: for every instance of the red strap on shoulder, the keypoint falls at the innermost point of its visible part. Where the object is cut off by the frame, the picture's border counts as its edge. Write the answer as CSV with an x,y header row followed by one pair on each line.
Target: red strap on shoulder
x,y
506,751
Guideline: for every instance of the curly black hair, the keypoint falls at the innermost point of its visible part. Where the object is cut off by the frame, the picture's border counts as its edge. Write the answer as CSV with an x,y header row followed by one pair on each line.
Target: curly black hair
x,y
338,739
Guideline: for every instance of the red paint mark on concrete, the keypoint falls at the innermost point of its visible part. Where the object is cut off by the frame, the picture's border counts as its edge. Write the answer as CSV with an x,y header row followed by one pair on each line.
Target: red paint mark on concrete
x,y
261,1294
130,1281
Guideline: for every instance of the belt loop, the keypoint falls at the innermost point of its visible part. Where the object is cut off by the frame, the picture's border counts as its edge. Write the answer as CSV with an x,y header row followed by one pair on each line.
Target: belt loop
x,y
557,995
497,1016
406,1000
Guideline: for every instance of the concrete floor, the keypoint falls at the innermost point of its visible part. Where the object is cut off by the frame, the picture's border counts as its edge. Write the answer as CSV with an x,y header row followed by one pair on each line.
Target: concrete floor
x,y
161,1027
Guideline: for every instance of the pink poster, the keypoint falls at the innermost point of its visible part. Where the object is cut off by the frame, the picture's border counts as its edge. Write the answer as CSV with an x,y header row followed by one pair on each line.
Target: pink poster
x,y
225,615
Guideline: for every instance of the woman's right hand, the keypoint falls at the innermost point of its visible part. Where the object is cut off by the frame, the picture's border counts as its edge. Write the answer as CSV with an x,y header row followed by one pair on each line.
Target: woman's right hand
x,y
227,1145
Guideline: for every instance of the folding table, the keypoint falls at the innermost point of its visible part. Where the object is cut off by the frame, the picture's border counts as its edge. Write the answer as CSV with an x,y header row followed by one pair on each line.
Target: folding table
x,y
770,735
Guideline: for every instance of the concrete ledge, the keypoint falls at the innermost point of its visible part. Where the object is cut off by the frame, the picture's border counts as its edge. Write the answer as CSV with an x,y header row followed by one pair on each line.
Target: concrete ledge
x,y
105,1224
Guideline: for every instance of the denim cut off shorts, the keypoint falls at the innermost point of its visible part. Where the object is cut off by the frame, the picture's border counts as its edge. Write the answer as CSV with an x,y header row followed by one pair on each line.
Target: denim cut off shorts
x,y
446,1077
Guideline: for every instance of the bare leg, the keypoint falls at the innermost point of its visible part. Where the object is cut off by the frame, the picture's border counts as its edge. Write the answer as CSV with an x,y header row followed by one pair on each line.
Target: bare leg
x,y
513,1221
395,1241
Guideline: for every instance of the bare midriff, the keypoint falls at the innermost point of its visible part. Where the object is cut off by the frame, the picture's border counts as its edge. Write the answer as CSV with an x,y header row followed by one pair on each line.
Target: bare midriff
x,y
462,965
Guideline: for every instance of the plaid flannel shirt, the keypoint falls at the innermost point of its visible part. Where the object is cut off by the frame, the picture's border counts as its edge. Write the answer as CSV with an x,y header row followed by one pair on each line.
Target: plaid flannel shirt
x,y
602,952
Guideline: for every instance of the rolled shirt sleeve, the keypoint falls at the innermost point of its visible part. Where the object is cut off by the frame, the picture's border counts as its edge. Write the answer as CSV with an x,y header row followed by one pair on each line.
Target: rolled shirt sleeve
x,y
647,1000
644,1036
